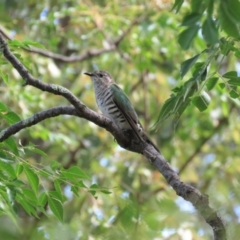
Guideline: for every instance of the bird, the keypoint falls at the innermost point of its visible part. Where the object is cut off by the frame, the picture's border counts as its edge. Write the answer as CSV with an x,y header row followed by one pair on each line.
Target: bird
x,y
115,104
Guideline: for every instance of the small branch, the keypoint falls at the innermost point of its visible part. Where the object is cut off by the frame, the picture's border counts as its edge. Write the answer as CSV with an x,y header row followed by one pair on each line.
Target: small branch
x,y
36,118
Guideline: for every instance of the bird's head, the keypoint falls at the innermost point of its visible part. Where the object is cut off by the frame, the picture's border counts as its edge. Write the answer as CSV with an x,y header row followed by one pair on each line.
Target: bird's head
x,y
101,78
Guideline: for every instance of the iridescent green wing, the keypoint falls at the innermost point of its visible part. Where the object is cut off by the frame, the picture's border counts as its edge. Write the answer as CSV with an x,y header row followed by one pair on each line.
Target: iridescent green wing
x,y
125,107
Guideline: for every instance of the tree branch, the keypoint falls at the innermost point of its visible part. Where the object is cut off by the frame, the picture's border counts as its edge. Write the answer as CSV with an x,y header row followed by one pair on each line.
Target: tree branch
x,y
187,192
36,118
113,45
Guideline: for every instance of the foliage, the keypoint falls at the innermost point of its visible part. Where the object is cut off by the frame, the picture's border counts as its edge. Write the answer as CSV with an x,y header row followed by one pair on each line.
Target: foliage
x,y
66,177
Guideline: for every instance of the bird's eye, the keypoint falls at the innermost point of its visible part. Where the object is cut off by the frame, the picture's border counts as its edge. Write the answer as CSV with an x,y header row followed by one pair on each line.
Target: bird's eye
x,y
100,75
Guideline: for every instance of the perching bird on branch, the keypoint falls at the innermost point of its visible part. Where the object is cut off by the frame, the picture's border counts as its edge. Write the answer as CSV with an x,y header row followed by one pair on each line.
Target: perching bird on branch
x,y
115,104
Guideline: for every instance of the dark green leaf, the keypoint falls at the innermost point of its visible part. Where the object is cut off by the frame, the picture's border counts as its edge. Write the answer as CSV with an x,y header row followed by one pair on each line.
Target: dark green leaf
x,y
177,5
191,19
211,82
234,81
233,94
209,30
56,207
201,102
231,74
222,85
186,65
233,7
186,37
228,25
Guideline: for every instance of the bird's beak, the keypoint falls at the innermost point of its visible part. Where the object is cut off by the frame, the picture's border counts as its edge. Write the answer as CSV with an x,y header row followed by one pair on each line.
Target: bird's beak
x,y
89,74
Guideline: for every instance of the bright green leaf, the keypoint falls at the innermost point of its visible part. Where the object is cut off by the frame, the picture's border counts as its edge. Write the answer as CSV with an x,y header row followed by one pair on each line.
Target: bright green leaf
x,y
19,169
11,117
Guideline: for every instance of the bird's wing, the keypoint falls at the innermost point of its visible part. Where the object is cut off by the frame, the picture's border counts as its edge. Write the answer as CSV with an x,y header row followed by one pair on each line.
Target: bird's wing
x,y
125,107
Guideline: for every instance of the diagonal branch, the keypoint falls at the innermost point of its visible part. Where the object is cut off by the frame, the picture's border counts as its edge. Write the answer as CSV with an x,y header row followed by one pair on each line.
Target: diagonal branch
x,y
113,45
189,193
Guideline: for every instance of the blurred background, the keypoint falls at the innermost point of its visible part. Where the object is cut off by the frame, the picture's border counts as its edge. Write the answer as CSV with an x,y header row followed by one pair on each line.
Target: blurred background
x,y
137,42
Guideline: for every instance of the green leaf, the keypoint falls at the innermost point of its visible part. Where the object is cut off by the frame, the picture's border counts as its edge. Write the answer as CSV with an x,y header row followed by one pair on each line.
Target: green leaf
x,y
177,5
74,173
209,31
19,169
55,165
4,77
6,167
56,207
167,108
32,178
75,190
201,102
233,94
226,21
211,82
11,117
30,196
106,192
222,85
231,74
186,37
28,207
16,43
233,7
191,19
10,142
58,189
42,200
34,149
234,81
93,188
31,43
3,107
186,65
